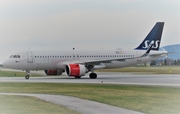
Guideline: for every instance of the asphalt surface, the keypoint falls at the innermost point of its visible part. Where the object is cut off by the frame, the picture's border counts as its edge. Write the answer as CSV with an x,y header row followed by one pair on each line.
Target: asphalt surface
x,y
169,80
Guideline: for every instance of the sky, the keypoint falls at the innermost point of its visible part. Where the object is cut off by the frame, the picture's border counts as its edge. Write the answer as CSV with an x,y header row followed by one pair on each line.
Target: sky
x,y
84,24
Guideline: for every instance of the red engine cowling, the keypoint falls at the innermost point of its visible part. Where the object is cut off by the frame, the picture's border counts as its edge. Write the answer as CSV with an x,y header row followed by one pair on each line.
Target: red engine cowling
x,y
53,72
75,70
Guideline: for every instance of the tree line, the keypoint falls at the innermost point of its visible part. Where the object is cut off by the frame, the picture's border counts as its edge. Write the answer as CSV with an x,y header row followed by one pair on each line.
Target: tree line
x,y
165,62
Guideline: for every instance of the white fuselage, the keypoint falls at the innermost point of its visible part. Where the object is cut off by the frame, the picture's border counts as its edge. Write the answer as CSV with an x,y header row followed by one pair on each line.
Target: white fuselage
x,y
56,60
77,63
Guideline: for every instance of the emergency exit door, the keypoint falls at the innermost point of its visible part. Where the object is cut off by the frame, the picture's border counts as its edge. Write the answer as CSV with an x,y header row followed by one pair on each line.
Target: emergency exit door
x,y
29,57
138,55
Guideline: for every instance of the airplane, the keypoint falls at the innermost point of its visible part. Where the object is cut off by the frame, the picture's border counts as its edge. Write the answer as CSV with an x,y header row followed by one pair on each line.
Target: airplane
x,y
77,63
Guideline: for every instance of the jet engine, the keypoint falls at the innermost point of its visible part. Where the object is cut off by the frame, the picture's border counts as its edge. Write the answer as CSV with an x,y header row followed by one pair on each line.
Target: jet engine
x,y
53,72
76,70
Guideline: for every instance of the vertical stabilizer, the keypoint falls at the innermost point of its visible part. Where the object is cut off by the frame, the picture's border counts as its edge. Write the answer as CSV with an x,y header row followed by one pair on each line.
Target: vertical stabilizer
x,y
154,37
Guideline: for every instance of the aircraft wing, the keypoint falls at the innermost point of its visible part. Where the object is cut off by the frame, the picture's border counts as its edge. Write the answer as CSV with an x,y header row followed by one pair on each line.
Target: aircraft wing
x,y
95,62
104,60
100,61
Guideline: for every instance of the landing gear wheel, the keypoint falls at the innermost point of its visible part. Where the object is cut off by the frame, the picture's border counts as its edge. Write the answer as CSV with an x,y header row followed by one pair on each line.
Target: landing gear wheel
x,y
77,77
27,77
93,75
27,74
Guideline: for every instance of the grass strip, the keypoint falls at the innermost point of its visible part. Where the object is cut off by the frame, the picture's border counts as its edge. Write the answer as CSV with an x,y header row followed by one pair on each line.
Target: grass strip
x,y
30,105
150,100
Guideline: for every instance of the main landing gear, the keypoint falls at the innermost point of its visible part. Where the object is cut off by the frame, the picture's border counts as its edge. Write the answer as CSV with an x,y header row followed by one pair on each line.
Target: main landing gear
x,y
93,75
27,75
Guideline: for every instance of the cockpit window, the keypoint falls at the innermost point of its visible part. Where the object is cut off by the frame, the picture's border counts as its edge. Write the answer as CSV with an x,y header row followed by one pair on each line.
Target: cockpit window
x,y
15,56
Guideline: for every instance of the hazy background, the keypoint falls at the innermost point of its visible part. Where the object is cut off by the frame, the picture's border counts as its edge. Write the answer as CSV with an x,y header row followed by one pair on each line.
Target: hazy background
x,y
84,24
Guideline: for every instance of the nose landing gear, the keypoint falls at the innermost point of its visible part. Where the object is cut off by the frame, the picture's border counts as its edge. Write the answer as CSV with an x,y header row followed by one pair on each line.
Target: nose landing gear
x,y
27,75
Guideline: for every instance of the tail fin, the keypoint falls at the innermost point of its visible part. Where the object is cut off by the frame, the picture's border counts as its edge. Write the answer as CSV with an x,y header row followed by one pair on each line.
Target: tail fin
x,y
154,37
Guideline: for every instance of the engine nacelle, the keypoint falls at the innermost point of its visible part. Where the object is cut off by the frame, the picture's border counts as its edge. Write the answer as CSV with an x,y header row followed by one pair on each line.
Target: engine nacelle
x,y
75,70
53,72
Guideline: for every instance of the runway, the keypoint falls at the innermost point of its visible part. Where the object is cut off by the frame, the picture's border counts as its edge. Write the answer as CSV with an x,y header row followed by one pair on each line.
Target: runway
x,y
87,107
169,80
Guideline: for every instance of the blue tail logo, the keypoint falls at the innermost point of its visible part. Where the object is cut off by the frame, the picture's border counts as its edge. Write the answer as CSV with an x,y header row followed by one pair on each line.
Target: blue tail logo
x,y
155,44
154,37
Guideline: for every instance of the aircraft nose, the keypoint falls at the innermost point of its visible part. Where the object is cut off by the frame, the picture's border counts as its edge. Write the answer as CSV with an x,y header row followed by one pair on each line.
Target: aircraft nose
x,y
5,63
2,64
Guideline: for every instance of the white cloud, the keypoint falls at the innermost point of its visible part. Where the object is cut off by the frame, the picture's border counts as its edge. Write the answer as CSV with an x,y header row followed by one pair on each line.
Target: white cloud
x,y
83,29
80,25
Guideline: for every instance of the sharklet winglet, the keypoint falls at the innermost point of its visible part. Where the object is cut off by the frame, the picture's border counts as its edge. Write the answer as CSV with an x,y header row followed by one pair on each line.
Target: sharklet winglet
x,y
148,50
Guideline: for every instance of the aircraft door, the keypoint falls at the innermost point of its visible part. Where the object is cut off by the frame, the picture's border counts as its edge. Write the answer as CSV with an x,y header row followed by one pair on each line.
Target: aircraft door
x,y
139,58
29,57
